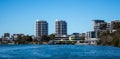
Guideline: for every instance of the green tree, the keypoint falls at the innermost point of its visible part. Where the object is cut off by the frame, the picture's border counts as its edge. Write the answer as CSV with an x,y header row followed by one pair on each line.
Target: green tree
x,y
27,38
52,36
19,40
104,38
107,38
44,38
23,39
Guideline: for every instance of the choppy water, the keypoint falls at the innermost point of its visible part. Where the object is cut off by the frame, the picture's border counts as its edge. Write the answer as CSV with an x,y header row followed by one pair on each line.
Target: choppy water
x,y
58,52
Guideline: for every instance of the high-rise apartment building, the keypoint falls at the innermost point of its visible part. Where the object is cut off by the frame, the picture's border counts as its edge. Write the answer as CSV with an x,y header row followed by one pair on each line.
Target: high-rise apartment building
x,y
61,27
97,23
41,28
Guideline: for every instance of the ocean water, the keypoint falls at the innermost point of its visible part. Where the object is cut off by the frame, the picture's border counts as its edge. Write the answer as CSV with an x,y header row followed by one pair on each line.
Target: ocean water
x,y
58,52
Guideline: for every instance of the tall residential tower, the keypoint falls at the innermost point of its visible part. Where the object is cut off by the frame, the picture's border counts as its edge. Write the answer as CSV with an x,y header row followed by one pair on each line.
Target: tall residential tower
x,y
41,28
61,27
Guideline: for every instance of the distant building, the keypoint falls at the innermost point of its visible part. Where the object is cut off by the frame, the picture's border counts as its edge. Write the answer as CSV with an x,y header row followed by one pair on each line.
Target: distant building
x,y
77,36
82,35
103,26
92,34
61,37
15,36
92,37
6,34
109,26
41,28
97,23
6,37
74,36
115,24
100,26
61,27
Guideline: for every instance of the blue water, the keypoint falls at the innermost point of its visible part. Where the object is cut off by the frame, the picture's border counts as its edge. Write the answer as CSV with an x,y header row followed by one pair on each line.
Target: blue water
x,y
58,52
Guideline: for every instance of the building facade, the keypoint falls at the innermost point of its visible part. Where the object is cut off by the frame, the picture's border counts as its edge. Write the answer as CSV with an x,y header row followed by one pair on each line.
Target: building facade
x,y
109,26
41,28
15,36
115,24
91,34
6,37
61,27
96,24
6,34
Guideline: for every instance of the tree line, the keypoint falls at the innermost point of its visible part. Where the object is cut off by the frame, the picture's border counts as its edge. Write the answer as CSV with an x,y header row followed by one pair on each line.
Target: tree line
x,y
110,38
28,39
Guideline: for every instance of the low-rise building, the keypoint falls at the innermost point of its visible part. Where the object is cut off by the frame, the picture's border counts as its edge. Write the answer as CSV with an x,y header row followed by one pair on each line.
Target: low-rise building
x,y
92,37
61,37
15,36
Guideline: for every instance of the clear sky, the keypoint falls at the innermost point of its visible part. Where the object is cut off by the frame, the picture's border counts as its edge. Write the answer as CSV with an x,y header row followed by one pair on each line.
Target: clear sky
x,y
19,16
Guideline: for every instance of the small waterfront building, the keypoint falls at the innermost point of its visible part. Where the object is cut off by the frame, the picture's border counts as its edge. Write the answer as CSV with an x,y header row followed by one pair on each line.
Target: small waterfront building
x,y
92,37
61,37
74,36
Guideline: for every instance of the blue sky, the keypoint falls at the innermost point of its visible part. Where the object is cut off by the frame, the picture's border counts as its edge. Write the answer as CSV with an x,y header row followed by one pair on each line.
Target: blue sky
x,y
19,16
